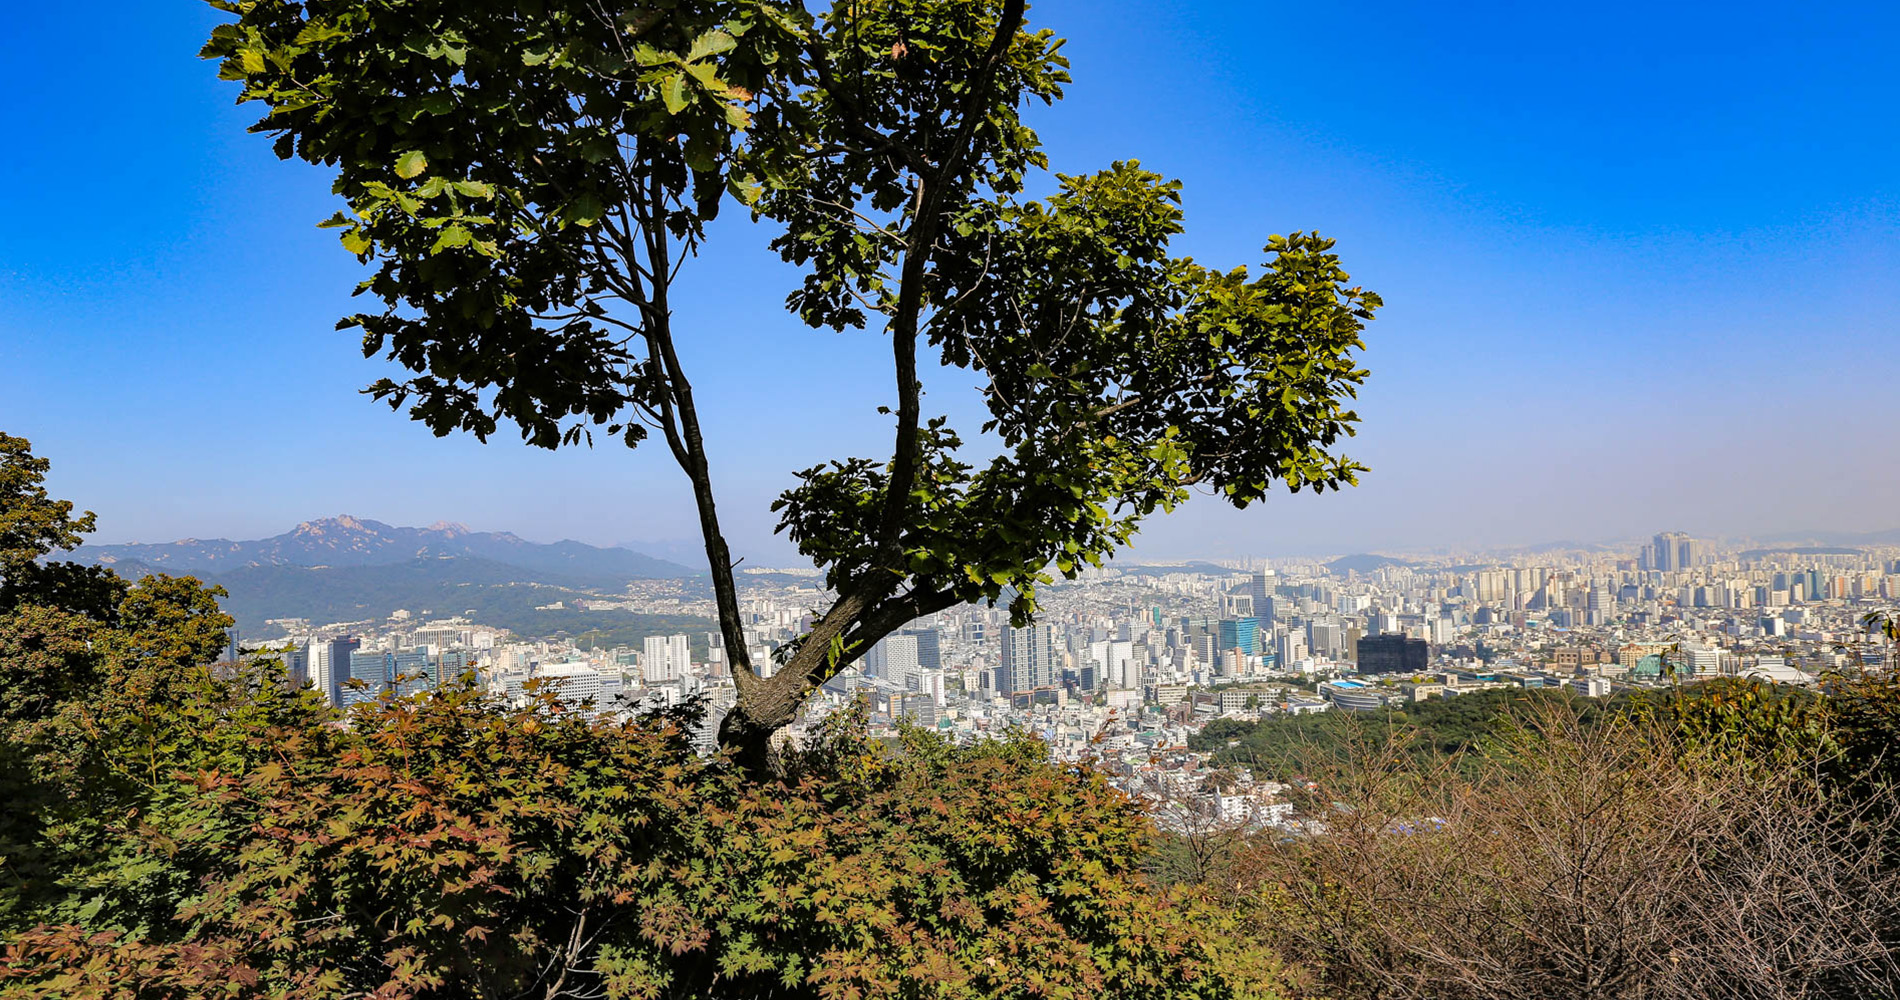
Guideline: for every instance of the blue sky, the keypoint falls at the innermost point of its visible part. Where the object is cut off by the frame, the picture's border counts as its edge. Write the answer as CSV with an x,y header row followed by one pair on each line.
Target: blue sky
x,y
1641,266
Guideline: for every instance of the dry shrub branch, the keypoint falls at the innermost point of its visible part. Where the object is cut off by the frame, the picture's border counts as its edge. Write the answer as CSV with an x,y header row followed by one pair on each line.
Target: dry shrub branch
x,y
1564,860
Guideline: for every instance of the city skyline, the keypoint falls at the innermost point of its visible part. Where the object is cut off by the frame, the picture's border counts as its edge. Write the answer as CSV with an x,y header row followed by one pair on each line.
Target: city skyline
x,y
687,550
1631,280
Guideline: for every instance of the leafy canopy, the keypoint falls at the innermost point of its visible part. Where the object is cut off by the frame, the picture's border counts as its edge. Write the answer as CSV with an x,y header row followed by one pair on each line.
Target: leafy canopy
x,y
33,526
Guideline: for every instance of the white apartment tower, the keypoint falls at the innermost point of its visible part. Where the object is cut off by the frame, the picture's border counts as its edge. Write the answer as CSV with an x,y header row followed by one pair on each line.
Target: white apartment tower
x,y
664,659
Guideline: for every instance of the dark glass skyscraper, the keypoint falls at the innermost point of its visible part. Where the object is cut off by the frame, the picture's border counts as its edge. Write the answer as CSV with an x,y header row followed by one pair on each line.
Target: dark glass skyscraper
x,y
1394,654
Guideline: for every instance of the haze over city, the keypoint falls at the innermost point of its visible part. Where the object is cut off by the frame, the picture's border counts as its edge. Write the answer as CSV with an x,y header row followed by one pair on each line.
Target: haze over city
x,y
1634,280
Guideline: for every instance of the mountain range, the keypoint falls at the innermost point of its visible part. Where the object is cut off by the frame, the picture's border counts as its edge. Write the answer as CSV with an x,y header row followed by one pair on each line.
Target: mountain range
x,y
347,541
1835,538
354,569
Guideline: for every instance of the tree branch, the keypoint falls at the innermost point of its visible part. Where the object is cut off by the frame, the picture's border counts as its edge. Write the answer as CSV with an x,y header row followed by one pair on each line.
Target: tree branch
x,y
691,451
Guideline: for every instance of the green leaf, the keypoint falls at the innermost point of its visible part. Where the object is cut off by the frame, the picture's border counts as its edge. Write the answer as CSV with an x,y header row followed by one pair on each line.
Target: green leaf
x,y
585,209
747,189
711,43
452,236
673,92
411,164
317,32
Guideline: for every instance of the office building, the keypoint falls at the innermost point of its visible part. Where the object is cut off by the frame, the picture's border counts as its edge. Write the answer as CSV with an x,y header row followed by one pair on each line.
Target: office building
x,y
329,666
296,667
1111,663
369,676
929,647
452,664
410,671
1262,587
1241,634
1393,654
894,659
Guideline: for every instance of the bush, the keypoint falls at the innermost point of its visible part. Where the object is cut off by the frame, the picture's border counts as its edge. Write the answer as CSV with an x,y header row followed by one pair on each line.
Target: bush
x,y
448,846
1620,859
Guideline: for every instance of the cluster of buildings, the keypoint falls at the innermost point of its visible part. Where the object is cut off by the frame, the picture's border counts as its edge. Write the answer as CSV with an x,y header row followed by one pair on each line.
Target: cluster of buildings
x,y
1125,664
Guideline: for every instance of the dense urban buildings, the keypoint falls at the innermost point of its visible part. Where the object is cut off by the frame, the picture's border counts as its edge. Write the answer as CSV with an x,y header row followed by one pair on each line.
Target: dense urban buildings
x,y
1126,662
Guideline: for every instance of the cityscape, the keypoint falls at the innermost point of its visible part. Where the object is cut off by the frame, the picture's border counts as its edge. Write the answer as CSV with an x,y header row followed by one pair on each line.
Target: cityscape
x,y
1125,665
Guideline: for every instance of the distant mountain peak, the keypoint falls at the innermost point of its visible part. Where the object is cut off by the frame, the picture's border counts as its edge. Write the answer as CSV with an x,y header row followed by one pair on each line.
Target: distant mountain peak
x,y
342,524
451,528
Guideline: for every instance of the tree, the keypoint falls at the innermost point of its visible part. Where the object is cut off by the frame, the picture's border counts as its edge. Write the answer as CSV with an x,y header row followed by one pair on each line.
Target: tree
x,y
32,526
527,181
32,523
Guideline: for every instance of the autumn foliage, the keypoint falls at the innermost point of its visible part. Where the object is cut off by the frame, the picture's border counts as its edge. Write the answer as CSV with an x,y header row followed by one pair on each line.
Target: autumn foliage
x,y
447,846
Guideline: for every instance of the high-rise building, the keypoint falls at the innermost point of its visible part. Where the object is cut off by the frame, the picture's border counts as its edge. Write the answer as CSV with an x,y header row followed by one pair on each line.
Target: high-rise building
x,y
453,663
1112,662
296,667
665,659
1029,660
1691,552
929,647
329,666
1326,637
576,684
1599,607
317,664
1241,634
410,671
1291,647
1673,550
369,672
1262,590
1393,654
894,659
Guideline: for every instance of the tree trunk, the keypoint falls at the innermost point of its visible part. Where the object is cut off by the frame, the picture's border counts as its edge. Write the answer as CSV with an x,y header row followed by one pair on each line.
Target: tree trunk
x,y
761,710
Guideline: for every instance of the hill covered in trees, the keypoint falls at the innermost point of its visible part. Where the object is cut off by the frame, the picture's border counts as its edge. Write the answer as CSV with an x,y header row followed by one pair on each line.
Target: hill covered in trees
x,y
348,569
1283,746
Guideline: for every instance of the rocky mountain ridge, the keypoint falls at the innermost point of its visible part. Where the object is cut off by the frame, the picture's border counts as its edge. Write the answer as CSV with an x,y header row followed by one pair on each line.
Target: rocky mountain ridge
x,y
346,541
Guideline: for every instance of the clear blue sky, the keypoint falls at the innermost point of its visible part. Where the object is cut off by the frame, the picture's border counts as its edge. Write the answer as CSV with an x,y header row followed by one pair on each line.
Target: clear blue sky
x,y
1642,267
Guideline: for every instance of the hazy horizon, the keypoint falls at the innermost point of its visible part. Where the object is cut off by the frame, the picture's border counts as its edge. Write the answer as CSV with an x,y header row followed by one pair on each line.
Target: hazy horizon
x,y
1634,282
688,550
